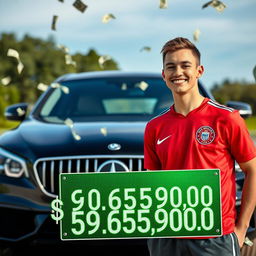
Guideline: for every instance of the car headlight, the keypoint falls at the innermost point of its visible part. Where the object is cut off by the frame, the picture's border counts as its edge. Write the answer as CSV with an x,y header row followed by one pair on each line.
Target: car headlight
x,y
12,165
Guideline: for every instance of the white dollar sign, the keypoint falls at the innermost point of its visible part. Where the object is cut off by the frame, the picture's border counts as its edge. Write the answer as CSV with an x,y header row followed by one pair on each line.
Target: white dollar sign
x,y
58,213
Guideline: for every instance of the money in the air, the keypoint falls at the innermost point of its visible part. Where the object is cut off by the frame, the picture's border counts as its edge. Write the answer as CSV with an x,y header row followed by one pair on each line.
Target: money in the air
x,y
163,4
146,49
13,53
54,21
102,59
218,5
107,17
80,6
6,80
196,34
254,72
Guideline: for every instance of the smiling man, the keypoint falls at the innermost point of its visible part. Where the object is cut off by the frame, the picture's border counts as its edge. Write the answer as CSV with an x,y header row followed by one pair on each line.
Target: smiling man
x,y
198,133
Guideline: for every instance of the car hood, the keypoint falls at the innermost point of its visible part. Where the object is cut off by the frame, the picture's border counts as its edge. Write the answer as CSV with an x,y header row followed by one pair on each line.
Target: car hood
x,y
36,139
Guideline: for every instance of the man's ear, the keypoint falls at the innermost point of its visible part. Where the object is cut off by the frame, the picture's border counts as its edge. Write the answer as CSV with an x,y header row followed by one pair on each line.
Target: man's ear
x,y
163,74
200,70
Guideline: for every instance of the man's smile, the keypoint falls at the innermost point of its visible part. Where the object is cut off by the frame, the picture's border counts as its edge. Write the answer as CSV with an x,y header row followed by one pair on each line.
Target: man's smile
x,y
178,81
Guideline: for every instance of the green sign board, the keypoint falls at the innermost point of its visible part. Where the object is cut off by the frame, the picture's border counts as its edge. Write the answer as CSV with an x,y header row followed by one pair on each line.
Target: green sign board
x,y
182,203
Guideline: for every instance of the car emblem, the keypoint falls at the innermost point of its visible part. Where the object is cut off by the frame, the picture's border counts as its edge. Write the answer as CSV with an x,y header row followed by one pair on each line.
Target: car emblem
x,y
113,166
114,146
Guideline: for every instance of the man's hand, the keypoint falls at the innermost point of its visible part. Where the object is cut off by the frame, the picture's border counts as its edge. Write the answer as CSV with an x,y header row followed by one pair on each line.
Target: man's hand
x,y
240,233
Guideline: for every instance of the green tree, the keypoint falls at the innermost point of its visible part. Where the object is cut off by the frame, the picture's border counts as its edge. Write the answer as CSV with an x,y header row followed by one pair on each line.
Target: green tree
x,y
236,91
43,62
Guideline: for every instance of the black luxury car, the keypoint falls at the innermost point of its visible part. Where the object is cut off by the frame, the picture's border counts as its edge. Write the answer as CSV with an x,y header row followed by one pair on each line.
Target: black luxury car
x,y
88,122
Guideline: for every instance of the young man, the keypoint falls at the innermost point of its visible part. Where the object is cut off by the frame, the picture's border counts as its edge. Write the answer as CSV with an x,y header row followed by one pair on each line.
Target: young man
x,y
198,133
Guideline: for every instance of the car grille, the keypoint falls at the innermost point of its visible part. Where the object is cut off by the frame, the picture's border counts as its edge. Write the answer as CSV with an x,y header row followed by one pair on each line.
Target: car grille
x,y
47,170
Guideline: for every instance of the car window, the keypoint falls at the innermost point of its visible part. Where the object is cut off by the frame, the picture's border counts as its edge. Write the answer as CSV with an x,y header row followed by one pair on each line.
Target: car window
x,y
130,105
124,98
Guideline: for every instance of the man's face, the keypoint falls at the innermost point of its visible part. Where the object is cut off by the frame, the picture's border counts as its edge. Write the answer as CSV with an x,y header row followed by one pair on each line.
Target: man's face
x,y
181,71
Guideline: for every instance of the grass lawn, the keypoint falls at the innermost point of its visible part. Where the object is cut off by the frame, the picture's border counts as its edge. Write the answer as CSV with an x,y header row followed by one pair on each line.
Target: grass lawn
x,y
251,125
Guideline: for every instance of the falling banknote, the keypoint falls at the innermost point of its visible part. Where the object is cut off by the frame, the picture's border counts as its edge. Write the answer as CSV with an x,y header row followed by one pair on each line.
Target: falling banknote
x,y
146,49
70,124
65,89
20,111
63,48
42,87
218,5
69,60
142,85
254,72
104,131
6,80
163,4
54,21
196,34
80,6
13,53
102,59
107,17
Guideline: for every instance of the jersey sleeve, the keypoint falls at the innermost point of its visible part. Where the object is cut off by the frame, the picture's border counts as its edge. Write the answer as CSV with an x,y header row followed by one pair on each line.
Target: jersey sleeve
x,y
240,142
151,160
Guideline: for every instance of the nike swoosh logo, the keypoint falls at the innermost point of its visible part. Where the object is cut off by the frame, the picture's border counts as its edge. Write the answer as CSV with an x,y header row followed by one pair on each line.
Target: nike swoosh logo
x,y
161,141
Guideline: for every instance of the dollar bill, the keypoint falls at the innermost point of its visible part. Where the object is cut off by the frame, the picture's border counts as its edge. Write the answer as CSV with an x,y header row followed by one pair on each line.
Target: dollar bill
x,y
145,48
54,22
70,124
102,59
63,48
142,85
196,34
80,6
65,89
254,72
163,4
20,111
248,242
124,87
218,5
42,87
6,80
107,17
14,53
20,67
68,57
69,60
104,131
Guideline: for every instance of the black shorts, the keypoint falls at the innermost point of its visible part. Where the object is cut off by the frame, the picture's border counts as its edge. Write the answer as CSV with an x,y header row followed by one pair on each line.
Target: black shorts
x,y
226,245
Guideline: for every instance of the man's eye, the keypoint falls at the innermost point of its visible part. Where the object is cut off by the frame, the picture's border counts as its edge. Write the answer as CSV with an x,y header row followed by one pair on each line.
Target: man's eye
x,y
186,66
170,67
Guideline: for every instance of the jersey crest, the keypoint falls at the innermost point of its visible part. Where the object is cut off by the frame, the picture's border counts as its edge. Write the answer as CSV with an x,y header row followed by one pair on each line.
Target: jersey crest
x,y
205,135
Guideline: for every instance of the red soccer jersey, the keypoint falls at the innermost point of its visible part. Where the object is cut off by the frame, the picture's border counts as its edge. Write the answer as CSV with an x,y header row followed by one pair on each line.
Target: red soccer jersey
x,y
211,136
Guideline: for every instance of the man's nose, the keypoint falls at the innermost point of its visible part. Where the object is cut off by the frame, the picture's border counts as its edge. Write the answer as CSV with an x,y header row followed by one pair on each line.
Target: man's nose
x,y
178,70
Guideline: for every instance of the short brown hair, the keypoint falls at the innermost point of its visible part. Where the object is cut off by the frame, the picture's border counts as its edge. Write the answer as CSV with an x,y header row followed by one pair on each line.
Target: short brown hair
x,y
179,43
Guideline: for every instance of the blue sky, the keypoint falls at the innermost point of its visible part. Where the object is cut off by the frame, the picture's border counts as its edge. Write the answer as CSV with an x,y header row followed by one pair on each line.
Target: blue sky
x,y
227,41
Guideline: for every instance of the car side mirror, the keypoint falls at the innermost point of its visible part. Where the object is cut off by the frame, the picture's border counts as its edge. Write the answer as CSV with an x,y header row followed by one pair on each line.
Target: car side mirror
x,y
16,112
245,109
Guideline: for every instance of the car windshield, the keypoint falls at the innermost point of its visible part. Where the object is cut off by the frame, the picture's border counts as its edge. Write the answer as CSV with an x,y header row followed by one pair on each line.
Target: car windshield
x,y
105,99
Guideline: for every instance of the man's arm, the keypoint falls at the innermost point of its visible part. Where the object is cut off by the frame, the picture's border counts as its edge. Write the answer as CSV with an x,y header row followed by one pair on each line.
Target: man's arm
x,y
248,202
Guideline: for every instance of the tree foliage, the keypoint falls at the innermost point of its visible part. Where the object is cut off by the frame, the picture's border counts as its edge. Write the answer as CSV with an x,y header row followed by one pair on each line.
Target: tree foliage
x,y
43,62
236,91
